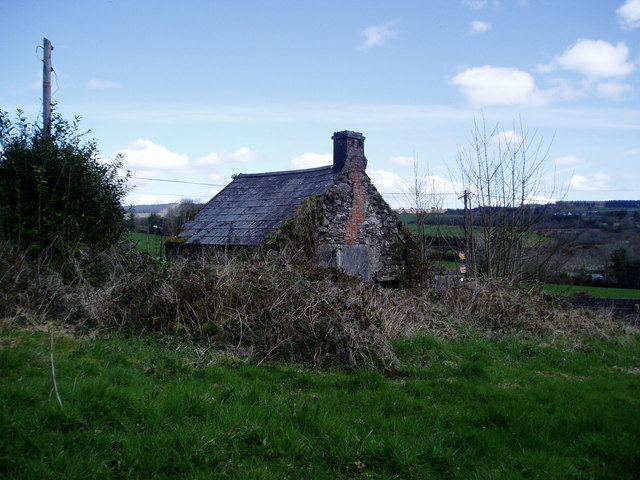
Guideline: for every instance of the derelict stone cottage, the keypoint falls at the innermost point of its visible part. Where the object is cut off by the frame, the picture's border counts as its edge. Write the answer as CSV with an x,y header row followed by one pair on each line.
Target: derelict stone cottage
x,y
353,227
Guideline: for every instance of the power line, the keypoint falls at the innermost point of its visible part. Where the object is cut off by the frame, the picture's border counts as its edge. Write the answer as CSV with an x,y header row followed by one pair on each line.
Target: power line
x,y
391,194
175,181
436,194
403,194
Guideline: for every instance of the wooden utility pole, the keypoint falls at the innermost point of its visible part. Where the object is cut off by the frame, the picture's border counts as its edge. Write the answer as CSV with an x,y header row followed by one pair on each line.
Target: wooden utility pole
x,y
467,237
46,87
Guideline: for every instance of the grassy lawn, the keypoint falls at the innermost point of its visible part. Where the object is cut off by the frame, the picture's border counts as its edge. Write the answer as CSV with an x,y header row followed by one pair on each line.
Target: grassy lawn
x,y
148,243
150,407
567,290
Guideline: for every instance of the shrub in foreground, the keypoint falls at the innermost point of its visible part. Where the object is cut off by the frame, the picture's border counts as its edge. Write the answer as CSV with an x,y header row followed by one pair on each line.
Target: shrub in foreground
x,y
55,191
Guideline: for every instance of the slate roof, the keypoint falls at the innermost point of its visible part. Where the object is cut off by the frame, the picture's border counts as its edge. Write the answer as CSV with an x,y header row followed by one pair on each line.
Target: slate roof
x,y
253,206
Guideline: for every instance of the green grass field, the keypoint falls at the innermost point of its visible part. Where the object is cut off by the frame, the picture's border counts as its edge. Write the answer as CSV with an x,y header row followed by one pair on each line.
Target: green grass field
x,y
606,292
439,230
155,408
148,243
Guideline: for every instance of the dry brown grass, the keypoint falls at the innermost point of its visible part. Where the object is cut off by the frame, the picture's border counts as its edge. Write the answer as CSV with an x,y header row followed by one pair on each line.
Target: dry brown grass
x,y
496,308
269,308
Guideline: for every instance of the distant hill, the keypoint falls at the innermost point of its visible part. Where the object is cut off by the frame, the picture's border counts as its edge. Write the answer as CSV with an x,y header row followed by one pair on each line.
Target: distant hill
x,y
150,208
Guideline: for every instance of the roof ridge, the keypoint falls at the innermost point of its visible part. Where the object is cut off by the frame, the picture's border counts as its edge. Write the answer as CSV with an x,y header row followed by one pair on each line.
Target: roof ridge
x,y
285,172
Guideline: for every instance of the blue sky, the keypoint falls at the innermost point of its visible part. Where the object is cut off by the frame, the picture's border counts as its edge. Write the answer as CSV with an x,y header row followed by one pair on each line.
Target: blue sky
x,y
196,91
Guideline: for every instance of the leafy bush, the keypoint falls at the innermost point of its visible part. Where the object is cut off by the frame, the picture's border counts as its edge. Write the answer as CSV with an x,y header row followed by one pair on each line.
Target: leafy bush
x,y
55,191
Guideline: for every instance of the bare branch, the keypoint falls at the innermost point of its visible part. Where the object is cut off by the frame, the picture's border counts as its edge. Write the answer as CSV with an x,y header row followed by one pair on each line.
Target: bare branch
x,y
504,171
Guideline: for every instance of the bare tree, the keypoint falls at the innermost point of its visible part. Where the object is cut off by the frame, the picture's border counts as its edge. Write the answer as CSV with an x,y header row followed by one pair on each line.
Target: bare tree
x,y
180,213
422,196
502,173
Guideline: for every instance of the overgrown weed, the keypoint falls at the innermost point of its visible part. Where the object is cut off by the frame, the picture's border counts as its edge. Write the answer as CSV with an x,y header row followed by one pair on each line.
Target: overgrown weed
x,y
269,308
495,308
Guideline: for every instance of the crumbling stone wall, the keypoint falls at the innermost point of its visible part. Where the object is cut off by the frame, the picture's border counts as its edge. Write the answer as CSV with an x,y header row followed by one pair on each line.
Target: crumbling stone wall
x,y
359,231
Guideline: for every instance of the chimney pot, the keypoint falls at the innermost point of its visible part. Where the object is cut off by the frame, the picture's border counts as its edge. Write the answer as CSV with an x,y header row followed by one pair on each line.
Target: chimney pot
x,y
347,147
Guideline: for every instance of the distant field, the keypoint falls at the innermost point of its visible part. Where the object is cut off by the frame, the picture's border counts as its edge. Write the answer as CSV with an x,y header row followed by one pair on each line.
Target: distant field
x,y
447,265
567,290
442,218
147,243
436,230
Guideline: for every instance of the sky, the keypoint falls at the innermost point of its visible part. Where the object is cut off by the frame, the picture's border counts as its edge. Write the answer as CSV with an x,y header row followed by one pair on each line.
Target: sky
x,y
195,91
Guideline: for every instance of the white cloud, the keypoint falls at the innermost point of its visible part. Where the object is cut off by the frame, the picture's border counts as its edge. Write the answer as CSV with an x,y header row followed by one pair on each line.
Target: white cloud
x,y
402,161
562,89
629,153
541,199
144,153
241,155
391,186
629,14
143,173
613,90
567,161
489,85
594,59
475,4
478,26
600,62
311,160
562,165
211,159
378,35
395,188
148,161
507,138
218,179
147,199
590,183
101,84
153,199
440,186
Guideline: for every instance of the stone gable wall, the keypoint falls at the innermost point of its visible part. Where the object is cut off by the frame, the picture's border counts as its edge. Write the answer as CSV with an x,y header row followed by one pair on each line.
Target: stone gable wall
x,y
358,225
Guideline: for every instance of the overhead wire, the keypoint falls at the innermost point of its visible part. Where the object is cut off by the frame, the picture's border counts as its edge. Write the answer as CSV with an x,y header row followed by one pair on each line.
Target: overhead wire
x,y
175,181
394,194
40,112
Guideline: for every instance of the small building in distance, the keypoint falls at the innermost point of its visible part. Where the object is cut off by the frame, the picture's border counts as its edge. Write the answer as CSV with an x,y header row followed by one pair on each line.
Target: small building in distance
x,y
335,209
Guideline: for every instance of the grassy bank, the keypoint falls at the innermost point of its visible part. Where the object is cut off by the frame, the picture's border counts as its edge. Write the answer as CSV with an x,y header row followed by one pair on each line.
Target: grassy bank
x,y
152,407
605,292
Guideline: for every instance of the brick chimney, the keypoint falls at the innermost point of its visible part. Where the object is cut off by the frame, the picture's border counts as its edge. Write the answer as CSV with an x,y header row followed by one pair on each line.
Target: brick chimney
x,y
348,149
